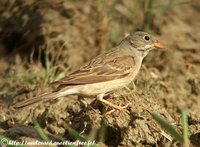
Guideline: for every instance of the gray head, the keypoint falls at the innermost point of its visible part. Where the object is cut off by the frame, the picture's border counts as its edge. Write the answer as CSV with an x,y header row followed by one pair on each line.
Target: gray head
x,y
141,43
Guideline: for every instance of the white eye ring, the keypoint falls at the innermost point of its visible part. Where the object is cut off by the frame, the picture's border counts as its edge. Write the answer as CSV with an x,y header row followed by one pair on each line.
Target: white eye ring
x,y
146,37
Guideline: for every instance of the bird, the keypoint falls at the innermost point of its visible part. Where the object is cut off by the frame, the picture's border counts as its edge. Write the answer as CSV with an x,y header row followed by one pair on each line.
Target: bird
x,y
105,73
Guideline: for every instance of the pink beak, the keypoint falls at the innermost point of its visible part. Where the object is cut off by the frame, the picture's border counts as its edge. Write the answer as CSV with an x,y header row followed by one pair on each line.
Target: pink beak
x,y
159,45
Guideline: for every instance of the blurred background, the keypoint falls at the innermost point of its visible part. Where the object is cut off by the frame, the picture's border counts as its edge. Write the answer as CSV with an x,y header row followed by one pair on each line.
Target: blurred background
x,y
41,41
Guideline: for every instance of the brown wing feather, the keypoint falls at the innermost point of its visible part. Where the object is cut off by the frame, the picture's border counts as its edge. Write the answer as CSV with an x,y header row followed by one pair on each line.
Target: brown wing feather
x,y
100,72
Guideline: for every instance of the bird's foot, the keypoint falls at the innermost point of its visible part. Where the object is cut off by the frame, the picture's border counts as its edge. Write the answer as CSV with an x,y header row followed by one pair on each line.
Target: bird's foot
x,y
115,107
120,108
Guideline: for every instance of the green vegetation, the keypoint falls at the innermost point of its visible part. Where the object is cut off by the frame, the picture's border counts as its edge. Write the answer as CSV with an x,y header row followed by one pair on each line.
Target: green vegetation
x,y
39,73
172,131
71,131
39,130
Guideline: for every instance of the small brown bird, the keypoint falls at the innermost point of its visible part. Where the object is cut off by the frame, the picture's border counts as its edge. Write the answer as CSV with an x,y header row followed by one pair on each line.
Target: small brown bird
x,y
107,72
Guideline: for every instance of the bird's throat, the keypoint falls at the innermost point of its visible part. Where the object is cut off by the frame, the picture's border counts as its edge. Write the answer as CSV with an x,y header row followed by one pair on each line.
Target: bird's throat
x,y
145,48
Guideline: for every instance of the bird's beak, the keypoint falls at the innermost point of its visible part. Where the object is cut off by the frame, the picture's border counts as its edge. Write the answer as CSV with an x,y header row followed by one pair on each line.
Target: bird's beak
x,y
158,45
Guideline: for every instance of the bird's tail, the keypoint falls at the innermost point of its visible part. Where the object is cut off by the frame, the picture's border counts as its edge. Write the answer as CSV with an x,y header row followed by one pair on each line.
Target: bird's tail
x,y
42,98
34,100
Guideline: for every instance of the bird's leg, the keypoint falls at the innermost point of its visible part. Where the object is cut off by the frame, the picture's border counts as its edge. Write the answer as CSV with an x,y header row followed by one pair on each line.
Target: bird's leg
x,y
120,108
110,95
105,96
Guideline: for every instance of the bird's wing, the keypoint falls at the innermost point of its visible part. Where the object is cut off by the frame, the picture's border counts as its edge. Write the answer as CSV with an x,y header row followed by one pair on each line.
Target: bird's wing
x,y
100,70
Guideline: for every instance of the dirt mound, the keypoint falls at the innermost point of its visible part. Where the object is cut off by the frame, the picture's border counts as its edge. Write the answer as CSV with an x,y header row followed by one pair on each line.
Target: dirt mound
x,y
42,41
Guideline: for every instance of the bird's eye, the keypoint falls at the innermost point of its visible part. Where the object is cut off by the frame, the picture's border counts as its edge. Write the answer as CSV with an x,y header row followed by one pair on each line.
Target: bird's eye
x,y
147,37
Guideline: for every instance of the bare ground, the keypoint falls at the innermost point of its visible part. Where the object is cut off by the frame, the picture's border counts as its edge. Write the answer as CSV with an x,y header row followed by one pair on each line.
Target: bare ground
x,y
73,33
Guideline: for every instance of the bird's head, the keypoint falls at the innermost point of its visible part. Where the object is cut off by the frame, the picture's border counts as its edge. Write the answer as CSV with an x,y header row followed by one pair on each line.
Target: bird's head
x,y
141,43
